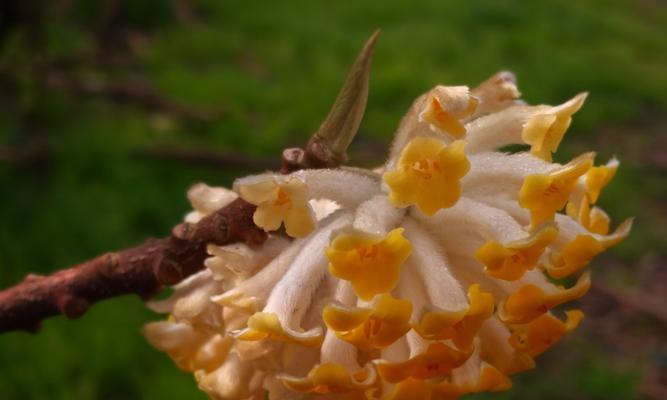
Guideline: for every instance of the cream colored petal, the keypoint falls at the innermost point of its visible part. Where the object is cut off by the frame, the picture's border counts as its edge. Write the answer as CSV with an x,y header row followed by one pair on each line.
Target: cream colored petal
x,y
322,208
207,199
257,189
299,221
242,259
496,93
269,217
260,285
232,381
180,290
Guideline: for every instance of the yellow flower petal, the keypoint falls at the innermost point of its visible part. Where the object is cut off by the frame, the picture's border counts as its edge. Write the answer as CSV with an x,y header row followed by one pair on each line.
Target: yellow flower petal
x,y
544,132
372,264
438,361
543,332
331,378
544,194
428,175
370,329
411,389
598,177
268,217
279,200
598,221
621,232
462,326
594,219
511,261
267,326
344,319
574,256
299,221
447,120
530,301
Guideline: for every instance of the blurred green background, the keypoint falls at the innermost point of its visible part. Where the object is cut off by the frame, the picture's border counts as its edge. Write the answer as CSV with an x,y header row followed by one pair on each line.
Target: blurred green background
x,y
110,109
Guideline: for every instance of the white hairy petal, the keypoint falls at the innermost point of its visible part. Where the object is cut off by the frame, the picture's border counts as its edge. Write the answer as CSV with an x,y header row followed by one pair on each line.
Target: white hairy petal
x,y
494,173
470,217
444,291
499,129
377,216
291,296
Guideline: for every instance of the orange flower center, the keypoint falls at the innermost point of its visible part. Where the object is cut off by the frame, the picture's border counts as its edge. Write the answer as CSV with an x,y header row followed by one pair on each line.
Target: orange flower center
x,y
425,168
368,252
281,198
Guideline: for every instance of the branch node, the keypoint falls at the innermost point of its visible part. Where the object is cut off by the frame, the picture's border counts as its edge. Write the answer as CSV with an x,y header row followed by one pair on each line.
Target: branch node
x,y
32,278
292,160
182,231
72,306
169,272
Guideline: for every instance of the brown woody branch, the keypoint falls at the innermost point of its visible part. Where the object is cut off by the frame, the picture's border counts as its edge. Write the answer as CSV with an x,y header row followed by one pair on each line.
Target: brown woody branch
x,y
145,269
141,270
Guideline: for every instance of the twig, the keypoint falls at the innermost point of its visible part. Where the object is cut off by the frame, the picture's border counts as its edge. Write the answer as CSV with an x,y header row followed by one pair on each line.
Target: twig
x,y
141,270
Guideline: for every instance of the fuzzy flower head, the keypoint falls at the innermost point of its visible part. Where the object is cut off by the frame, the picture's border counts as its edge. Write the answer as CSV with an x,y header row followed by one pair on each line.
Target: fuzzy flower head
x,y
429,278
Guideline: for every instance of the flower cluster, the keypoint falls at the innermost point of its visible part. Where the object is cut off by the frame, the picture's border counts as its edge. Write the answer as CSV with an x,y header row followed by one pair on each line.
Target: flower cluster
x,y
429,278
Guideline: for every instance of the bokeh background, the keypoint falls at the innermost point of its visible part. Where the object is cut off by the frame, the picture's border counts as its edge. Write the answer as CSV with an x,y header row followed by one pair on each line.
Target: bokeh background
x,y
111,109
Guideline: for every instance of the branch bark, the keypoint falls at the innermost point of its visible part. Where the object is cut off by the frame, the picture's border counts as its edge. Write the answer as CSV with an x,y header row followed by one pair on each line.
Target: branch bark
x,y
141,270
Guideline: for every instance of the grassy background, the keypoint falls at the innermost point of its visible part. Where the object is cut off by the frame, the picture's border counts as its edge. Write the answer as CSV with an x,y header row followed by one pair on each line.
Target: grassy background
x,y
79,175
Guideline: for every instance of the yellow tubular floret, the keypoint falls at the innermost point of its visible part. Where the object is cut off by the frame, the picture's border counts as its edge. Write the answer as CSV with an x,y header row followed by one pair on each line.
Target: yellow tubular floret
x,y
510,261
279,200
267,326
574,256
437,361
372,264
428,175
530,301
544,331
370,329
448,120
545,131
594,219
331,378
544,194
598,177
462,326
